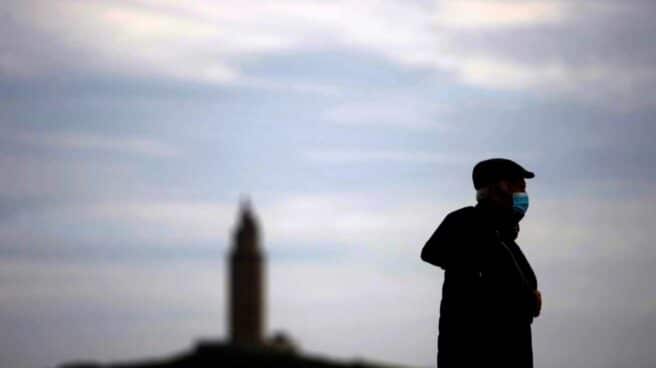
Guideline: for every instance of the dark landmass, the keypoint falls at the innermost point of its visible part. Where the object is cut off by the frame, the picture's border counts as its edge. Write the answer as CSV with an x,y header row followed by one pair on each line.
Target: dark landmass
x,y
216,354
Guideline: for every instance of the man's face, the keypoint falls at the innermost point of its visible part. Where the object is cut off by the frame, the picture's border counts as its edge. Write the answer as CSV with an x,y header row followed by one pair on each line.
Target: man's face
x,y
514,185
504,190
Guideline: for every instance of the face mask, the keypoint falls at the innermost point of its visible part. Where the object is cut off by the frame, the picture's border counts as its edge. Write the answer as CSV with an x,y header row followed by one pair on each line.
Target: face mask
x,y
520,203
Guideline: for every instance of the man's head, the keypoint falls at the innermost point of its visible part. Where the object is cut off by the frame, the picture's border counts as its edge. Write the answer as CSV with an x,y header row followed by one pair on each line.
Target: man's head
x,y
497,179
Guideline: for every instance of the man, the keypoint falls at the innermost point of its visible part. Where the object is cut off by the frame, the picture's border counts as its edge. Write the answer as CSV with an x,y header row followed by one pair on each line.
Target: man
x,y
489,295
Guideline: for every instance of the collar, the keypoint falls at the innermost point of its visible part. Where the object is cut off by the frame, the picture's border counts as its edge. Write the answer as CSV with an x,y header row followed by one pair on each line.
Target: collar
x,y
498,219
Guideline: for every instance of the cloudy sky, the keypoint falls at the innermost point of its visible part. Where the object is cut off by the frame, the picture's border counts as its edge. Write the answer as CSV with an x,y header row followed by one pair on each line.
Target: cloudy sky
x,y
130,129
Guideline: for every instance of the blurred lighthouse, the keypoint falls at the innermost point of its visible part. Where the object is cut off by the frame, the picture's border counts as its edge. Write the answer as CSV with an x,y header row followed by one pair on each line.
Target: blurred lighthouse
x,y
246,282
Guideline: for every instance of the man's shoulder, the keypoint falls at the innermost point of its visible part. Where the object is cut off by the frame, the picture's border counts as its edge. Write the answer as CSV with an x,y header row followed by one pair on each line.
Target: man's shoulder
x,y
466,219
466,213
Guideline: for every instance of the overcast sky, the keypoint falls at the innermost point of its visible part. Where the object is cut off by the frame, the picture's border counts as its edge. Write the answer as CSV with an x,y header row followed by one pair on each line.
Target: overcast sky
x,y
129,131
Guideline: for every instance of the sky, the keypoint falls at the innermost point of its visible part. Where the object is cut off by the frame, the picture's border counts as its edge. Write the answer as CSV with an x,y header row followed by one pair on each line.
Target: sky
x,y
131,129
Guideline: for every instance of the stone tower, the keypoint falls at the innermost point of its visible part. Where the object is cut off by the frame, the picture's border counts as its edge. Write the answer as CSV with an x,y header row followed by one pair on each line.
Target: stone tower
x,y
246,304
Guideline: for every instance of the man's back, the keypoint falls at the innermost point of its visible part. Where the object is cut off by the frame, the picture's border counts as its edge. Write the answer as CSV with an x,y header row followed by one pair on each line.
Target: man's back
x,y
486,311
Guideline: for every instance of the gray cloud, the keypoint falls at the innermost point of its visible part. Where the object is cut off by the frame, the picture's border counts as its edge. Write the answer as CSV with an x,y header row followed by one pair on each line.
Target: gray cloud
x,y
594,51
599,52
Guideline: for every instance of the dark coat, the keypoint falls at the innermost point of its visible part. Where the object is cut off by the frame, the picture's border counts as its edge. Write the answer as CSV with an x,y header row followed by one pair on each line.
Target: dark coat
x,y
488,301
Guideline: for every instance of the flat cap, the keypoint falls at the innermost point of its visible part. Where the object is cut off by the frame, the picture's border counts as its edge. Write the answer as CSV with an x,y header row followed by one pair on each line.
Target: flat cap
x,y
492,170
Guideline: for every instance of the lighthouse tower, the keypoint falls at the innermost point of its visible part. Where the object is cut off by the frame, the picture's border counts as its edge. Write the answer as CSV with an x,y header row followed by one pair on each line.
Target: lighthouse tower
x,y
246,282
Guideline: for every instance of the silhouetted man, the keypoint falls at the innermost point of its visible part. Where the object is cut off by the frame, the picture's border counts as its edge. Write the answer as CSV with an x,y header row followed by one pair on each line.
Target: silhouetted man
x,y
489,295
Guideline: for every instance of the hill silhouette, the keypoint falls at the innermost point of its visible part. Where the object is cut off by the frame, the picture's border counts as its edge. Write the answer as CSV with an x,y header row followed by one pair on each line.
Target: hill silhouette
x,y
231,356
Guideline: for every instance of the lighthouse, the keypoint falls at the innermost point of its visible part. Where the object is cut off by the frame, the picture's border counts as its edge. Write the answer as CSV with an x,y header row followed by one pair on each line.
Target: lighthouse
x,y
246,282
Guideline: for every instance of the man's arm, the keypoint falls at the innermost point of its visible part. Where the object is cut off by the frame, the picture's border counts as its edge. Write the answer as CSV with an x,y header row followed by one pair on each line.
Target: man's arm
x,y
449,246
429,251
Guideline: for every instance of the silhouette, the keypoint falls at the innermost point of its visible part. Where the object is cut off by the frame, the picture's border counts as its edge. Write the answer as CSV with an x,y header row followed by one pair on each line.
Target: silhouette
x,y
489,295
247,346
246,306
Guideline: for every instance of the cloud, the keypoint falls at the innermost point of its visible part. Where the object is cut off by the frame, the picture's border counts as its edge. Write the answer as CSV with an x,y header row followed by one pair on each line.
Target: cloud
x,y
509,75
485,44
118,227
351,156
202,42
95,142
587,228
170,222
306,224
145,39
124,283
386,111
368,302
46,177
348,223
565,49
491,14
107,310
